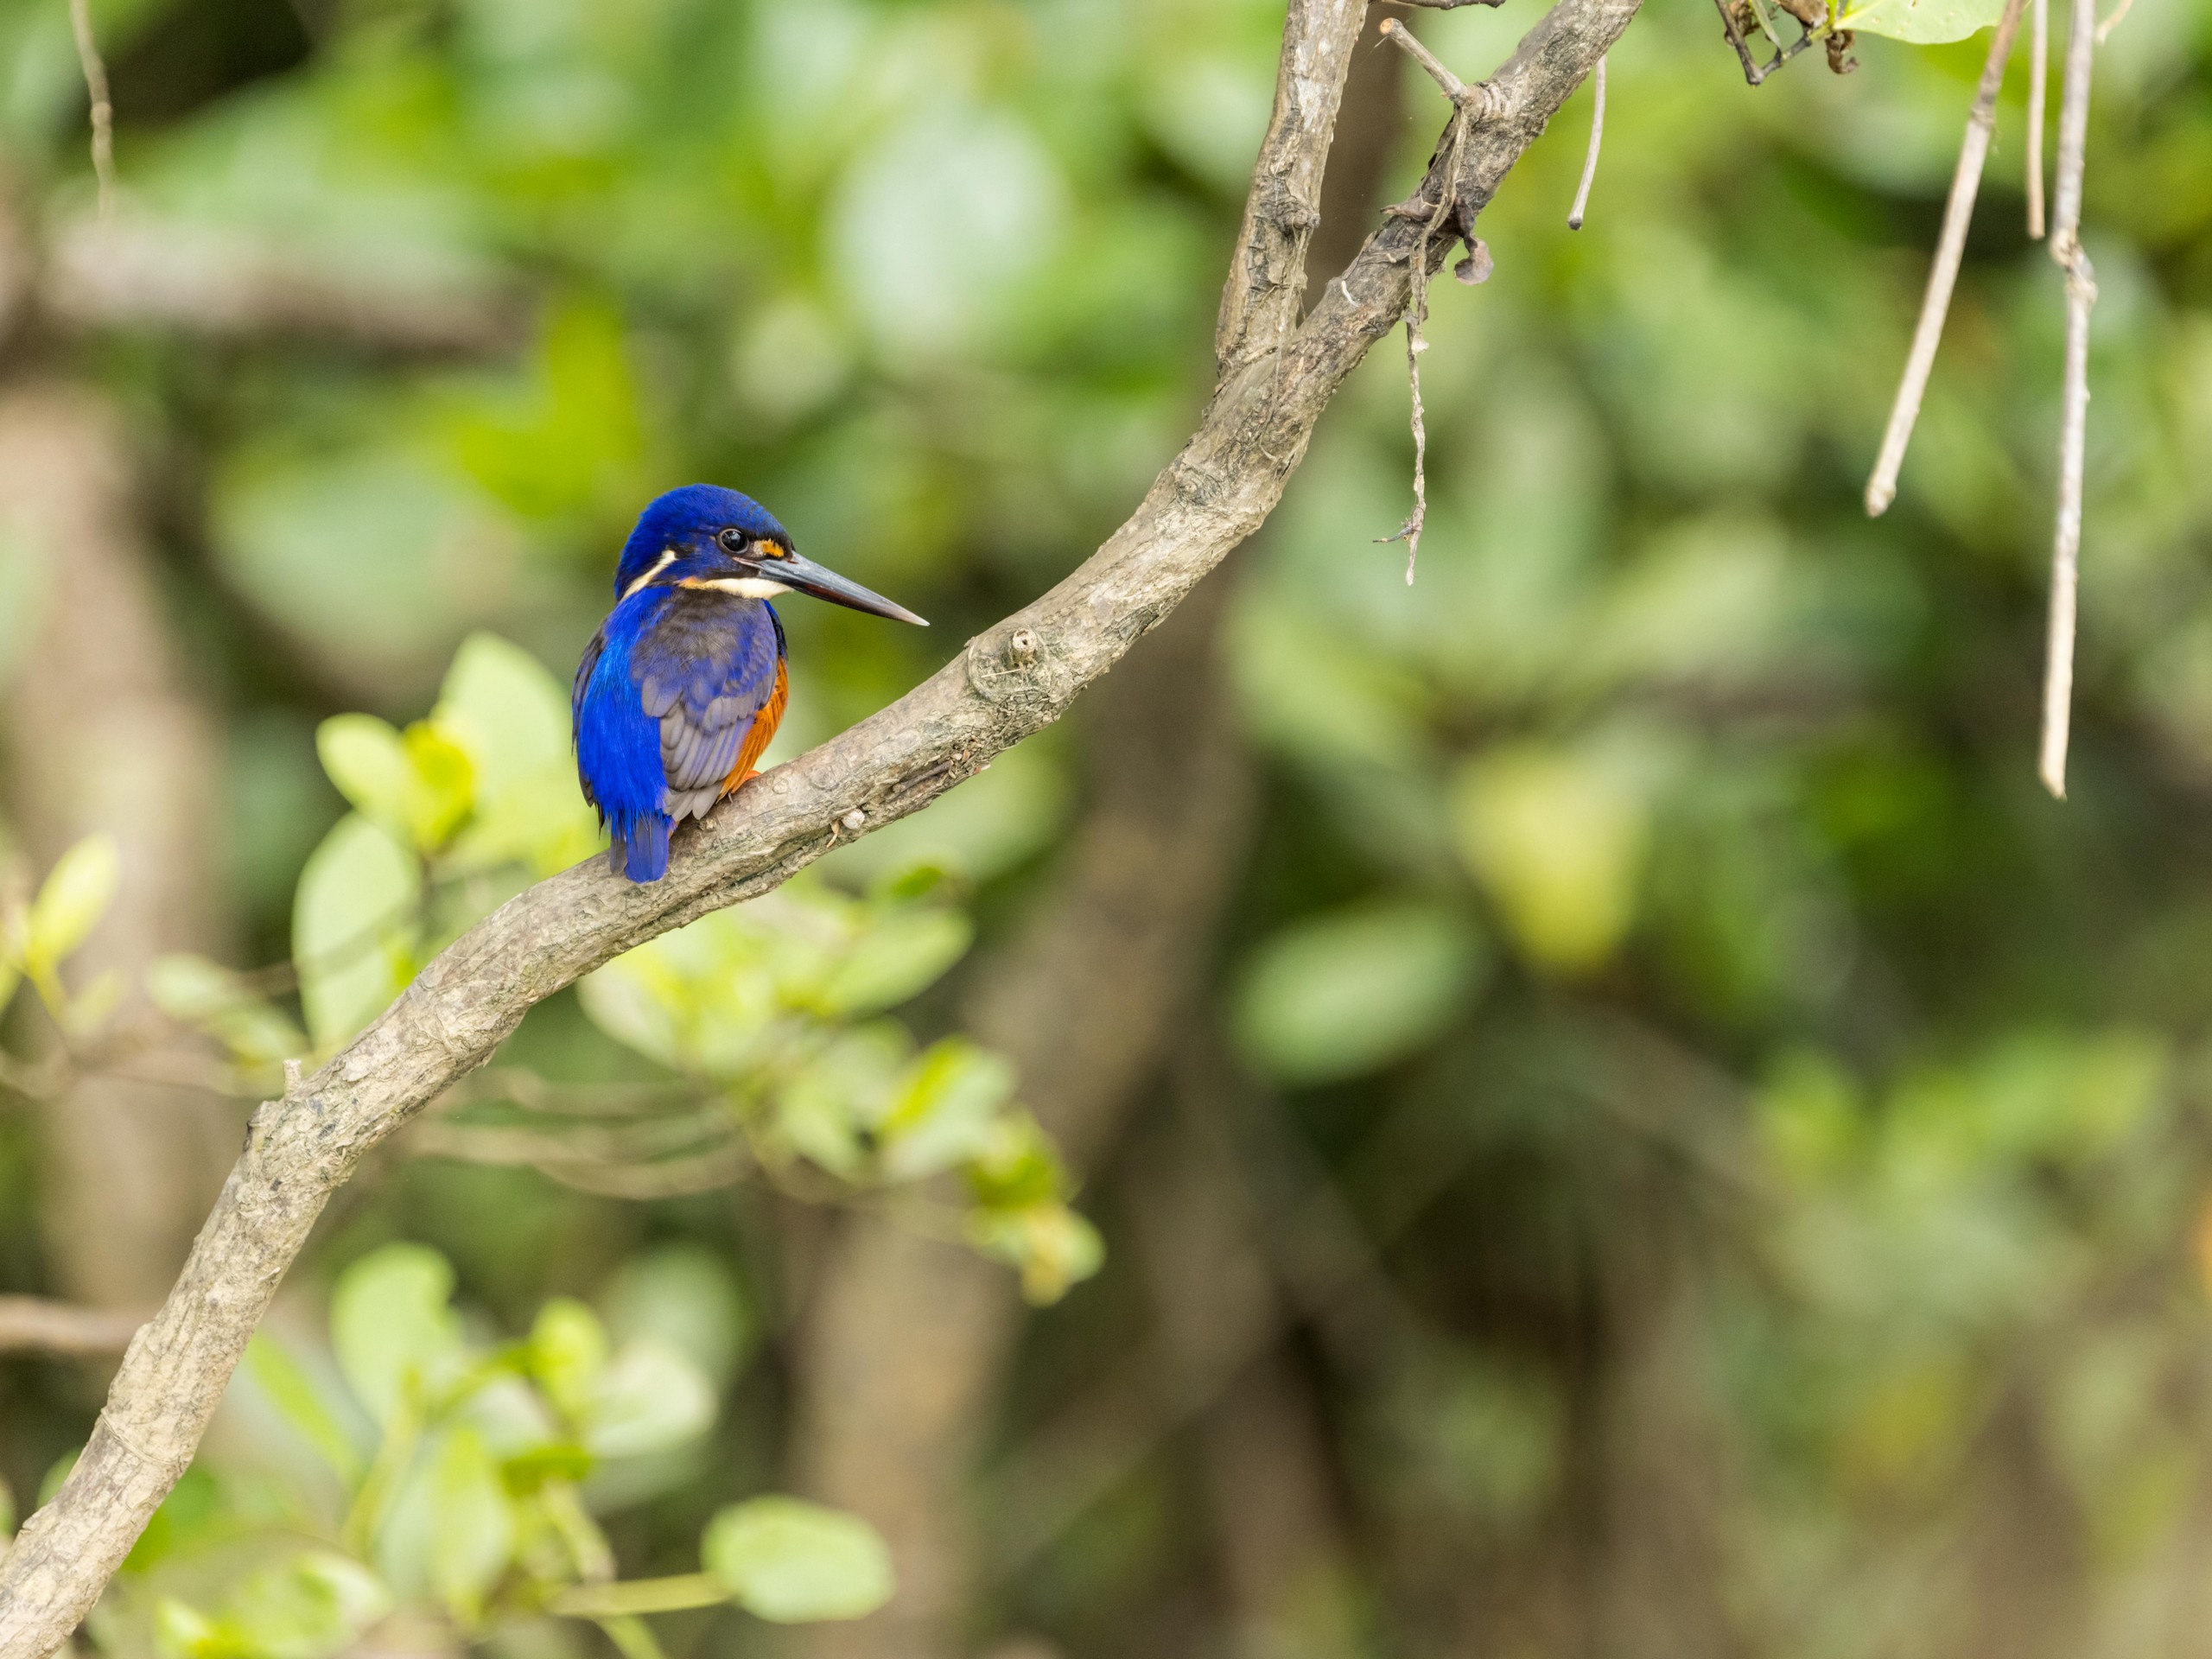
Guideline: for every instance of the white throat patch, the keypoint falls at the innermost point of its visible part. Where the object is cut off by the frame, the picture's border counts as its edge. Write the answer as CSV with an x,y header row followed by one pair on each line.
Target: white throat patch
x,y
746,587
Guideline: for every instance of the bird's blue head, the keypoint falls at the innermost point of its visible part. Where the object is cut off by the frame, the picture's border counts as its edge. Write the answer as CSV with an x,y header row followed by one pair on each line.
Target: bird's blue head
x,y
703,536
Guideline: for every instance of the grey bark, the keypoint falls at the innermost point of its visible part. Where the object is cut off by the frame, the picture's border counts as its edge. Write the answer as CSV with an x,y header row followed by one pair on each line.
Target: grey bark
x,y
1010,681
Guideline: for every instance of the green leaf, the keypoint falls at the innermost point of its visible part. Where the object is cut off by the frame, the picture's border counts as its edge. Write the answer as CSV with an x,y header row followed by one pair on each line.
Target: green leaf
x,y
92,1006
1341,994
1558,837
7,1511
367,758
903,954
209,997
474,1534
1051,1246
568,1354
353,928
1924,22
843,1093
1017,1167
791,1561
70,903
390,1321
442,785
418,784
316,1604
505,710
943,1112
653,1398
182,1631
294,1394
684,1295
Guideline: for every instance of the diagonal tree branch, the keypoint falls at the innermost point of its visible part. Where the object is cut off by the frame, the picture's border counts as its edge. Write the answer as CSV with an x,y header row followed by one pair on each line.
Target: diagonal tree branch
x,y
1010,681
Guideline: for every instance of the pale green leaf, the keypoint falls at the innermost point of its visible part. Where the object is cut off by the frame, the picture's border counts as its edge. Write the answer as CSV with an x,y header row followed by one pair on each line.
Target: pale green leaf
x,y
474,1529
288,1387
441,785
1924,22
943,1112
391,1324
902,954
72,900
94,1005
316,1604
211,998
353,928
651,1398
682,1295
1051,1247
368,759
568,1354
791,1561
843,1093
1341,994
505,710
182,1631
1558,835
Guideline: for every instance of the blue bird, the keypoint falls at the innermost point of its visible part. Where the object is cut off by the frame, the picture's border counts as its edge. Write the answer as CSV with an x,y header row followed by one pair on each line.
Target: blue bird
x,y
683,686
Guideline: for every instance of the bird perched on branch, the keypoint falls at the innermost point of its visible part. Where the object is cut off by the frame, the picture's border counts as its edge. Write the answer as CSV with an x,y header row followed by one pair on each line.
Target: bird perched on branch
x,y
682,687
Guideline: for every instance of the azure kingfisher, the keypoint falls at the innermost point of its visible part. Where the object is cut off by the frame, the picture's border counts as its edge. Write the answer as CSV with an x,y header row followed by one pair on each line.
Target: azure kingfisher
x,y
683,686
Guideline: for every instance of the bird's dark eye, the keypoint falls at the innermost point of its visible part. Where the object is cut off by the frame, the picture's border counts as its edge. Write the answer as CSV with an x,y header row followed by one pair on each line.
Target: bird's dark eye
x,y
731,541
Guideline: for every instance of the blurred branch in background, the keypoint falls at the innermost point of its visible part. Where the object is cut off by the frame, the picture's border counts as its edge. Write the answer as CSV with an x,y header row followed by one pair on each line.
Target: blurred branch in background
x,y
905,1339
39,1324
105,734
137,271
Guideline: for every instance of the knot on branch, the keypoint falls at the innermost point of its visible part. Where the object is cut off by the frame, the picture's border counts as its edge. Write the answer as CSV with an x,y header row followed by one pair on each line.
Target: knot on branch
x,y
1018,669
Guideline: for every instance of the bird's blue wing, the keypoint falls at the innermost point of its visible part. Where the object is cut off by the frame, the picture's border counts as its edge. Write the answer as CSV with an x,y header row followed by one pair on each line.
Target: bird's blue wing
x,y
707,670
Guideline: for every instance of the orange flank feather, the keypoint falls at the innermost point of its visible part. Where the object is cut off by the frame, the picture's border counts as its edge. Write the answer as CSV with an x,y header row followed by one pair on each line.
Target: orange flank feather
x,y
763,731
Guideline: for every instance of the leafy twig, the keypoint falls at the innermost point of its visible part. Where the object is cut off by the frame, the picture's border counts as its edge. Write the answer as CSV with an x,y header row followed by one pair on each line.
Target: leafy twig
x,y
1943,275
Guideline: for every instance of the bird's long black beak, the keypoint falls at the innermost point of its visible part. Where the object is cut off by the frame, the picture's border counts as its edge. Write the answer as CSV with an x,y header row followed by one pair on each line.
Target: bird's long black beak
x,y
804,575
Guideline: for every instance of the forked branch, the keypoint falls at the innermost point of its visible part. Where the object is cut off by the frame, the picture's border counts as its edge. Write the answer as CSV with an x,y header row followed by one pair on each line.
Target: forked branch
x,y
1008,681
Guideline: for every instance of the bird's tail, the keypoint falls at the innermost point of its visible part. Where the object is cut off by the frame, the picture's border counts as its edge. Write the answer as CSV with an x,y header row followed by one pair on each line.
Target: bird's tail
x,y
640,847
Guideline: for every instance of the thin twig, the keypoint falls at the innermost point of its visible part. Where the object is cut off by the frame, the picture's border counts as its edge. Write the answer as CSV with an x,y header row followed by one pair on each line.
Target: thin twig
x,y
1943,275
1396,32
2118,17
35,1325
1465,102
2038,78
88,59
1590,161
2080,294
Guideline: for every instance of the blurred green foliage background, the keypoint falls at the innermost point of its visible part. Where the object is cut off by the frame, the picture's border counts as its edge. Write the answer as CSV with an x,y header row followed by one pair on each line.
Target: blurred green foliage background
x,y
1656,1138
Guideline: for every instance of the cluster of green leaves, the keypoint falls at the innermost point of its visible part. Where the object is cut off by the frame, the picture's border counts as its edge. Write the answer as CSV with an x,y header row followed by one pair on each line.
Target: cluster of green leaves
x,y
458,1482
38,937
777,1006
450,816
